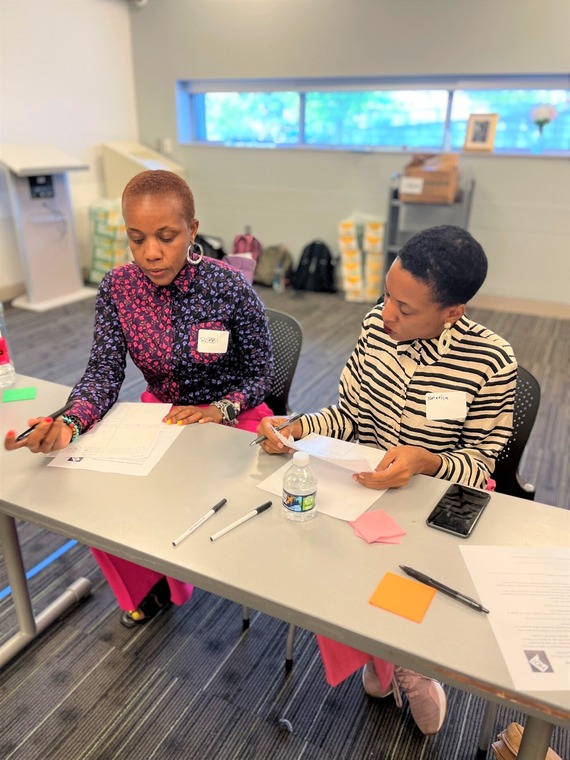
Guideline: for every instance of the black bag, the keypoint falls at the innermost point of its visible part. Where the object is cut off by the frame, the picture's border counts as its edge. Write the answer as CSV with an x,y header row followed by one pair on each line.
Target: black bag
x,y
316,270
275,258
213,247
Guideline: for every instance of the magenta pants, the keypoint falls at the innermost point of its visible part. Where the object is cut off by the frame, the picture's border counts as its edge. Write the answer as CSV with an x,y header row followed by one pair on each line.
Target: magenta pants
x,y
131,582
340,661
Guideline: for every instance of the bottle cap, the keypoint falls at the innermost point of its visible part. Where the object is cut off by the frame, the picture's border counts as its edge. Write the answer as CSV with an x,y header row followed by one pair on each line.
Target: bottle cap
x,y
301,458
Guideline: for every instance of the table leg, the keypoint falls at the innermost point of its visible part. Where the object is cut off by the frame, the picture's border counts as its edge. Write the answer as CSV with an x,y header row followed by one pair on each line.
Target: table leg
x,y
29,625
535,739
486,731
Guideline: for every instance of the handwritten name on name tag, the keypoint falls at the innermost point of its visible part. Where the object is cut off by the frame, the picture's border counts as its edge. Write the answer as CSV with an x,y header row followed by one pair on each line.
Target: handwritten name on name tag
x,y
213,341
446,405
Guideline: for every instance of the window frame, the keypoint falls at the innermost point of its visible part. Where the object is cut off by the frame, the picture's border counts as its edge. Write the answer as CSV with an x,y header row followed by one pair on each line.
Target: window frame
x,y
191,113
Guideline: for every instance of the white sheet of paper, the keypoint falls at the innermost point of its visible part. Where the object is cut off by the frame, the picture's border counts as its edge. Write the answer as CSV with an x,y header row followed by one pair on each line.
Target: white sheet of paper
x,y
350,456
165,438
338,495
526,589
127,432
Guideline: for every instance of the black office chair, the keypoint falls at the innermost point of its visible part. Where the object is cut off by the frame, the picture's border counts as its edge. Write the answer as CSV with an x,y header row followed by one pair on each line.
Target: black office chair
x,y
287,340
506,474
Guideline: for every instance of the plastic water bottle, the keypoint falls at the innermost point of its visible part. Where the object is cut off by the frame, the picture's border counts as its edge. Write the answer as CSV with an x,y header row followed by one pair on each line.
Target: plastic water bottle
x,y
299,502
7,371
279,279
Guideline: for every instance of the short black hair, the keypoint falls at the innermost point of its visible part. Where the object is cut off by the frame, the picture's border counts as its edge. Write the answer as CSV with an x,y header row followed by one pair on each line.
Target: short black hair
x,y
449,260
161,182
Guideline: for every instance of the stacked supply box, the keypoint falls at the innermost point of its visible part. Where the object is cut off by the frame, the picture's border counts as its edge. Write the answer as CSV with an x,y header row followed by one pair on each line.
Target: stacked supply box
x,y
109,239
430,178
361,258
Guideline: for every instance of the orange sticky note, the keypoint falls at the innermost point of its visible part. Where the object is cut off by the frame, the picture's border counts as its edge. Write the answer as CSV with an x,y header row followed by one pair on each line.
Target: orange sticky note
x,y
403,596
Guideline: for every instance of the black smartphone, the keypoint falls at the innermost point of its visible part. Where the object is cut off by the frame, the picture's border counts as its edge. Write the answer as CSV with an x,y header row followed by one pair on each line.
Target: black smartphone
x,y
458,510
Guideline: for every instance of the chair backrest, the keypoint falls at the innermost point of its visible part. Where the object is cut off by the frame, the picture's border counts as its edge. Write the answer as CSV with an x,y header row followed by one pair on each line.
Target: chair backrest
x,y
506,474
287,339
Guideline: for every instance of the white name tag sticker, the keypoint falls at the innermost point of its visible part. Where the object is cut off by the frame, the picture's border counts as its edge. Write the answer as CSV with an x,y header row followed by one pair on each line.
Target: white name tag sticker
x,y
411,185
213,341
446,405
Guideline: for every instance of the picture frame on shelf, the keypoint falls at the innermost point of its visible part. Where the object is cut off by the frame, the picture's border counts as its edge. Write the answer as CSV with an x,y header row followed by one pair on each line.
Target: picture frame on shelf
x,y
480,132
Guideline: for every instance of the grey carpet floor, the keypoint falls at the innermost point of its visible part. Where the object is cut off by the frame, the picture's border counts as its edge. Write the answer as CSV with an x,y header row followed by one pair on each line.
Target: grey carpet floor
x,y
191,684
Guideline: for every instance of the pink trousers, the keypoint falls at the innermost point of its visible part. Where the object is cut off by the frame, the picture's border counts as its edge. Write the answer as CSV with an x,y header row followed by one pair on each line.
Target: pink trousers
x,y
131,582
340,661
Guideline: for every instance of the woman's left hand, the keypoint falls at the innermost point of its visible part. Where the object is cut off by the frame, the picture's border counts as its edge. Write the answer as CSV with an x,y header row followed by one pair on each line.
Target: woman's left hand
x,y
187,415
398,466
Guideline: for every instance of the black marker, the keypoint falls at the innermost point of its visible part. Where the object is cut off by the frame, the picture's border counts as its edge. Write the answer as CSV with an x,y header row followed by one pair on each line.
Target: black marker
x,y
63,409
473,603
199,522
243,519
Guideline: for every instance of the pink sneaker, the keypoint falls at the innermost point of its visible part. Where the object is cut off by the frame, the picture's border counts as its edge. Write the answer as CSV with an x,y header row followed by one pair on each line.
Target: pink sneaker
x,y
426,697
371,682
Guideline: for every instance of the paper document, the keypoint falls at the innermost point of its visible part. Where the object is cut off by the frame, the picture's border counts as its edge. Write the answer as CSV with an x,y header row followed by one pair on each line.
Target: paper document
x,y
350,456
338,495
527,590
129,440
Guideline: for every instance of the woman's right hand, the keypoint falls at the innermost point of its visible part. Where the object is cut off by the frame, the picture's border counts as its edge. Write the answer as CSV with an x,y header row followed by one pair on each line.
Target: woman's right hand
x,y
272,444
49,435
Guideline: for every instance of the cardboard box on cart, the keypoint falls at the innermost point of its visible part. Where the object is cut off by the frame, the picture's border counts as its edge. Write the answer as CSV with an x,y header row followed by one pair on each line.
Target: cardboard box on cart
x,y
430,178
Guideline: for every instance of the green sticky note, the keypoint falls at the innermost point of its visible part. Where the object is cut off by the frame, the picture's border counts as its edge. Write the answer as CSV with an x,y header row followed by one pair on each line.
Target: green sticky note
x,y
18,394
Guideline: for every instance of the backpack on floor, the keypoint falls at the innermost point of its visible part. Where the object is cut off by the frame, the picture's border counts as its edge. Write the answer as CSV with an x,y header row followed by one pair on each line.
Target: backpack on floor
x,y
274,259
212,246
245,253
316,269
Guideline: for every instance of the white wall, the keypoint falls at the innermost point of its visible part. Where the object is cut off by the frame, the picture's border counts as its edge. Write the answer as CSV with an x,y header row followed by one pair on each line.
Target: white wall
x,y
66,79
521,211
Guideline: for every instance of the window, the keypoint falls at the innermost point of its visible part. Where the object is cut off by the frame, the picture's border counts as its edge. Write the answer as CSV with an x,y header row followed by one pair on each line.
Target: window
x,y
358,115
516,130
390,118
249,118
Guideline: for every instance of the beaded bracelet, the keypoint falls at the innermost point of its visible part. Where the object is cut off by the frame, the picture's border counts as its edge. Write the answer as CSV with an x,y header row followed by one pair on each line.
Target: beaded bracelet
x,y
73,424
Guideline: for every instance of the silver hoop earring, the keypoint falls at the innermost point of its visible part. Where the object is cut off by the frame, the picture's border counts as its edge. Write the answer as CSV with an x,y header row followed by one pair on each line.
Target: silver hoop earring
x,y
194,254
444,341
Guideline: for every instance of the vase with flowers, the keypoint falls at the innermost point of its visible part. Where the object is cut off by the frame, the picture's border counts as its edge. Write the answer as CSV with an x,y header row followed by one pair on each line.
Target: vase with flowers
x,y
541,116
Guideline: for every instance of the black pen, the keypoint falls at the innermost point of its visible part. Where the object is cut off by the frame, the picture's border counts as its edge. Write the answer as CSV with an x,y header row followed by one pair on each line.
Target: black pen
x,y
63,409
283,425
248,516
473,603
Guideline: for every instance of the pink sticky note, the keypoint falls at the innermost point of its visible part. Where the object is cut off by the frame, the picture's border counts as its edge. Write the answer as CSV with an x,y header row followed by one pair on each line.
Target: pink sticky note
x,y
377,526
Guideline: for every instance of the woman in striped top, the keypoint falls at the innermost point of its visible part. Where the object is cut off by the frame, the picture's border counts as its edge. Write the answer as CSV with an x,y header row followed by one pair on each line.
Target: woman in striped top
x,y
435,390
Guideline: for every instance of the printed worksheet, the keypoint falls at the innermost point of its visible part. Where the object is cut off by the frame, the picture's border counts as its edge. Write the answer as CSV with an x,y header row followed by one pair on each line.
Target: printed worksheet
x,y
129,440
527,590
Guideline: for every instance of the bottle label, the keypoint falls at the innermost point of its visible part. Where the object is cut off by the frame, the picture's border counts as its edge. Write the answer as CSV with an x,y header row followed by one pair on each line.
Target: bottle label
x,y
4,355
296,503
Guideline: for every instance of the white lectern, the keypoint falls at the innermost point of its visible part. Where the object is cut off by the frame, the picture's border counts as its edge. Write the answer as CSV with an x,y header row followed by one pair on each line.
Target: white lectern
x,y
39,196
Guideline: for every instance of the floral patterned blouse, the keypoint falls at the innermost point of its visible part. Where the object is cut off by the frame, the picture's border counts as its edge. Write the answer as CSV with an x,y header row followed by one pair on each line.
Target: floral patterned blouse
x,y
159,327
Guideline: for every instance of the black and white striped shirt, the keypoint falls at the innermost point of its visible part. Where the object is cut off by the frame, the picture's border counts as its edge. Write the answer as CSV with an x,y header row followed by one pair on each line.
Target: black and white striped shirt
x,y
382,397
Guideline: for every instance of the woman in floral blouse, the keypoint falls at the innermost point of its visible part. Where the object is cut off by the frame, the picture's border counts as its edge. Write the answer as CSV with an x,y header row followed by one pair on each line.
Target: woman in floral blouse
x,y
197,331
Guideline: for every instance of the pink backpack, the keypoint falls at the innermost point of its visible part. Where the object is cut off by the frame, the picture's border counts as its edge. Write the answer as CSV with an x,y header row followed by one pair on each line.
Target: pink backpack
x,y
245,253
